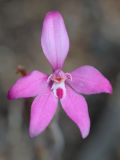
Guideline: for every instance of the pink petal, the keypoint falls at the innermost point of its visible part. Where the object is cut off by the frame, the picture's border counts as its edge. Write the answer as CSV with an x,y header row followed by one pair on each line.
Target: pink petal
x,y
42,112
88,80
28,86
54,39
76,108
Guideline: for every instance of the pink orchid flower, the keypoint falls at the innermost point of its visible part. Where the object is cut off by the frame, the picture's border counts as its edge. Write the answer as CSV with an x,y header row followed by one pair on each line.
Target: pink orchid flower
x,y
48,89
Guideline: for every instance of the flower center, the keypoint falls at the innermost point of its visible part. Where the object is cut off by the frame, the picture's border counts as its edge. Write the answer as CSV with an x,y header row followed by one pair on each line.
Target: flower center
x,y
58,83
58,80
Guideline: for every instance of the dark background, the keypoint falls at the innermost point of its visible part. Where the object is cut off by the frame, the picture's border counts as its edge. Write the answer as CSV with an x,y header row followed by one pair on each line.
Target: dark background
x,y
94,30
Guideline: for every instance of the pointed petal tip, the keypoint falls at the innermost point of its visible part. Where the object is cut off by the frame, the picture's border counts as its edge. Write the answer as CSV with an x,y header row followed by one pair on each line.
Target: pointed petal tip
x,y
53,13
85,134
33,131
107,87
32,134
85,131
109,91
10,96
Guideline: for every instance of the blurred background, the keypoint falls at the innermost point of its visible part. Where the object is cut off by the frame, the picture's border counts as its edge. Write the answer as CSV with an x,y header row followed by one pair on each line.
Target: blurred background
x,y
94,30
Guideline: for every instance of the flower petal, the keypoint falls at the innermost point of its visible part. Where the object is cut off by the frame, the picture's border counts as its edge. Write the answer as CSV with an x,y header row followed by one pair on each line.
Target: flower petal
x,y
76,108
88,80
28,86
54,39
42,112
